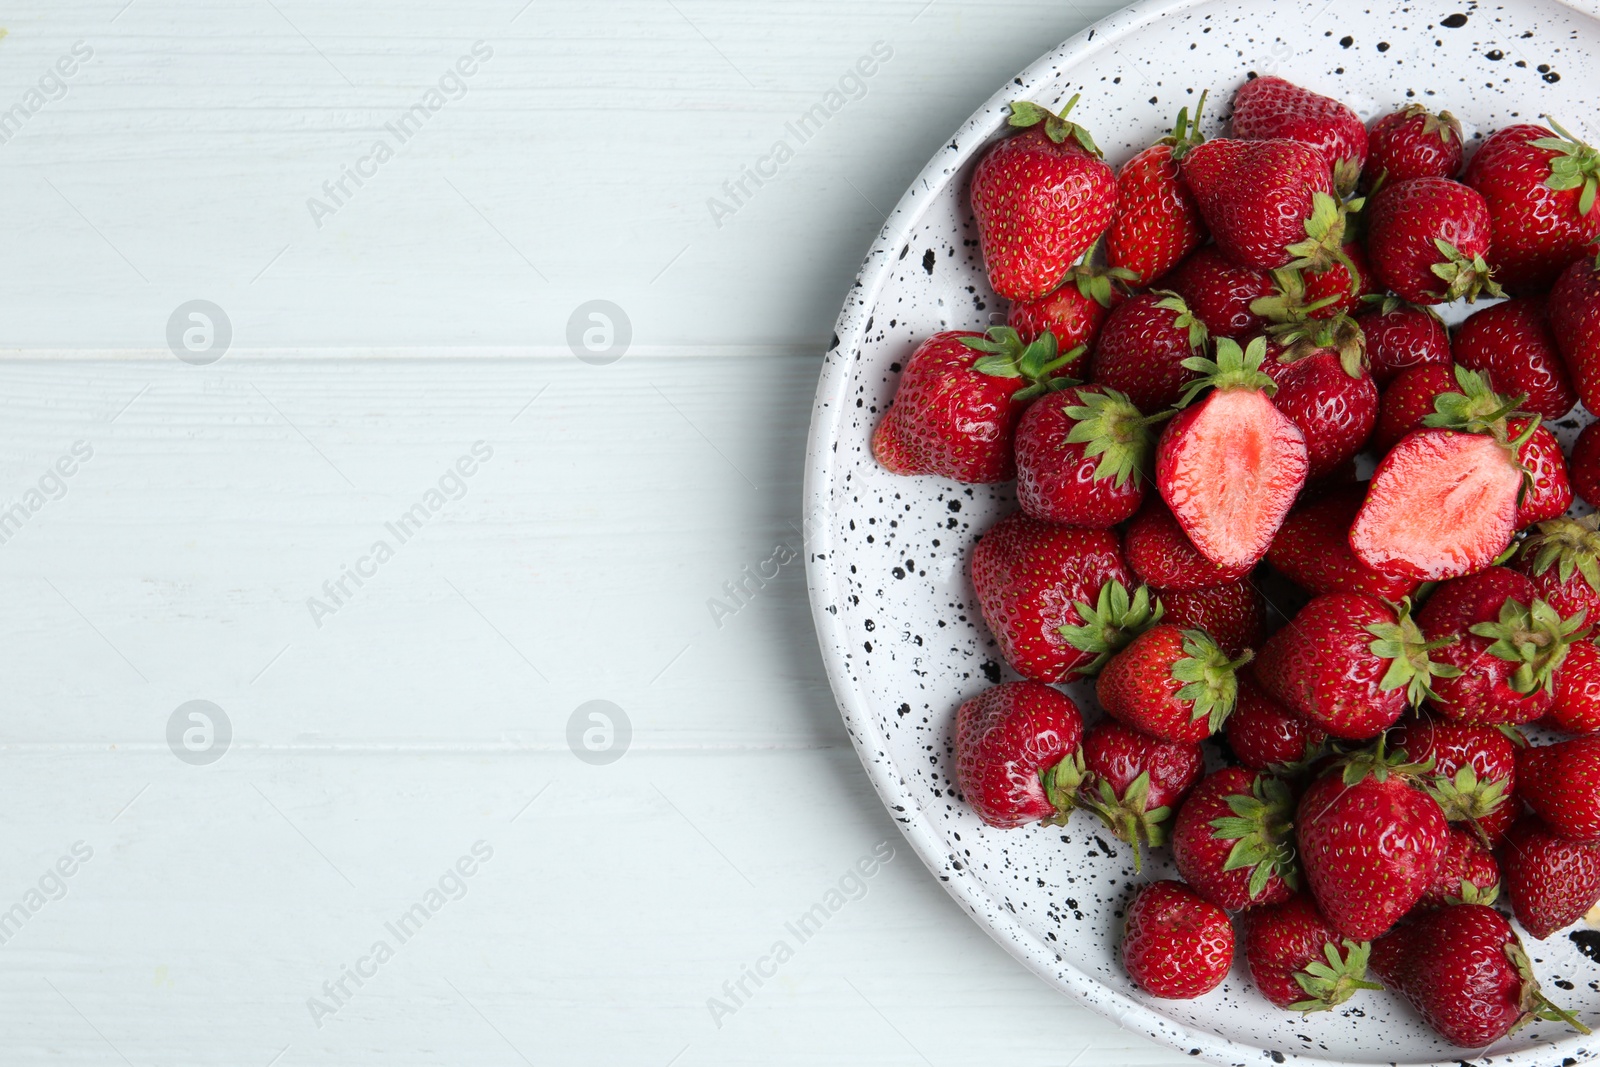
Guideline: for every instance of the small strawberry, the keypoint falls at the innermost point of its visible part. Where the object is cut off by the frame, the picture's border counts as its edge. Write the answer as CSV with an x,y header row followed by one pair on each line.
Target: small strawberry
x,y
1350,663
1268,204
1466,973
1467,874
1512,346
1231,465
1040,199
958,403
1539,186
1163,557
1030,577
1265,735
1410,398
1551,881
1232,840
1157,221
1472,770
1298,961
1547,493
1074,313
1586,465
1136,783
1175,685
1082,457
1414,143
1232,614
1175,945
1561,783
1142,349
1576,707
1220,294
1562,557
1573,308
1332,402
1018,756
1269,107
1312,549
1400,336
1427,239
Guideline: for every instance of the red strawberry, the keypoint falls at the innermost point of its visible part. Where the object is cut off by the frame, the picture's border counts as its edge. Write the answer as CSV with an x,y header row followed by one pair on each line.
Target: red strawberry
x,y
1232,840
1467,874
1232,614
1312,549
1400,336
958,403
1157,221
1268,107
1511,344
1574,312
1231,465
1017,754
1540,191
1409,399
1551,881
1414,143
1082,457
1370,841
1032,579
1175,685
1175,945
1561,783
1074,313
1586,465
1142,349
1220,294
1332,402
1472,770
1266,735
1562,556
1135,783
1268,204
1548,492
1040,199
1348,662
1163,557
1298,961
1427,239
1576,707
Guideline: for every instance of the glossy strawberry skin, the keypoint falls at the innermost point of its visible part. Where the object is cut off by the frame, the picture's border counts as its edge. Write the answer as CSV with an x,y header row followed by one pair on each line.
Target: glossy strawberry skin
x,y
1561,783
1321,666
1585,468
1337,281
1233,615
1312,549
1265,734
1028,575
1005,737
1451,746
1482,692
1157,221
1140,352
1074,319
1256,195
1574,313
1219,293
1055,479
1175,945
1039,206
1401,339
1405,219
1164,558
1408,400
1537,229
1334,411
1514,347
1137,688
1369,850
1270,107
1569,596
1400,147
1465,867
1551,881
1280,940
1576,707
1200,855
1117,755
1549,491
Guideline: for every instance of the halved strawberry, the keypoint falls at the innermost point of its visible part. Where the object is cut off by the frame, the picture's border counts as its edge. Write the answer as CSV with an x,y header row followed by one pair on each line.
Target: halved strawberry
x,y
1018,758
1164,558
1312,549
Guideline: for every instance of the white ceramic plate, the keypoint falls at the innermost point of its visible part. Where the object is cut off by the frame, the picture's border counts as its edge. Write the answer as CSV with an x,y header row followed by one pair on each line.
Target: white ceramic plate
x,y
887,561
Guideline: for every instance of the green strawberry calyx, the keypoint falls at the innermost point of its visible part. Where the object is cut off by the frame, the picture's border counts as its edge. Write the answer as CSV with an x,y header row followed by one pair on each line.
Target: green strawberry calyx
x,y
1233,368
1260,829
1288,303
1534,637
1465,797
1444,125
1465,277
1127,817
1327,985
1572,546
1114,620
1211,679
1388,304
1339,334
1534,1004
1006,355
1402,644
1109,426
1186,133
1470,892
1061,783
1325,238
1380,764
1479,409
1573,164
1184,318
1025,114
1095,281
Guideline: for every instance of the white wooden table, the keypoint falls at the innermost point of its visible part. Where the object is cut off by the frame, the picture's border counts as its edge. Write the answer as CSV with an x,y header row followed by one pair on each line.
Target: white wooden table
x,y
389,735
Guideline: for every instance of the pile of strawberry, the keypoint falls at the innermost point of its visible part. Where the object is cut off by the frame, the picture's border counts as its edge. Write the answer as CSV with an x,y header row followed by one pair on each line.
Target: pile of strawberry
x,y
1226,323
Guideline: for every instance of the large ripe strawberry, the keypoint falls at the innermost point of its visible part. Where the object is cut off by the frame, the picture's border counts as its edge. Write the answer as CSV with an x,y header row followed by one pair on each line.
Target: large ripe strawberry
x,y
1031,577
1157,221
1574,312
1040,199
1220,294
1547,493
1175,945
1164,558
1466,973
1267,736
1018,758
1298,961
1472,770
1551,881
1400,336
1114,619
1414,143
1135,783
1409,398
1539,186
1427,239
1562,557
1512,345
1269,107
1233,614
1331,400
1370,841
1467,874
1232,840
958,403
1231,465
1142,349
1350,663
1268,204
1312,549
1576,707
1561,783
1083,455
1585,466
1175,685
1074,313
